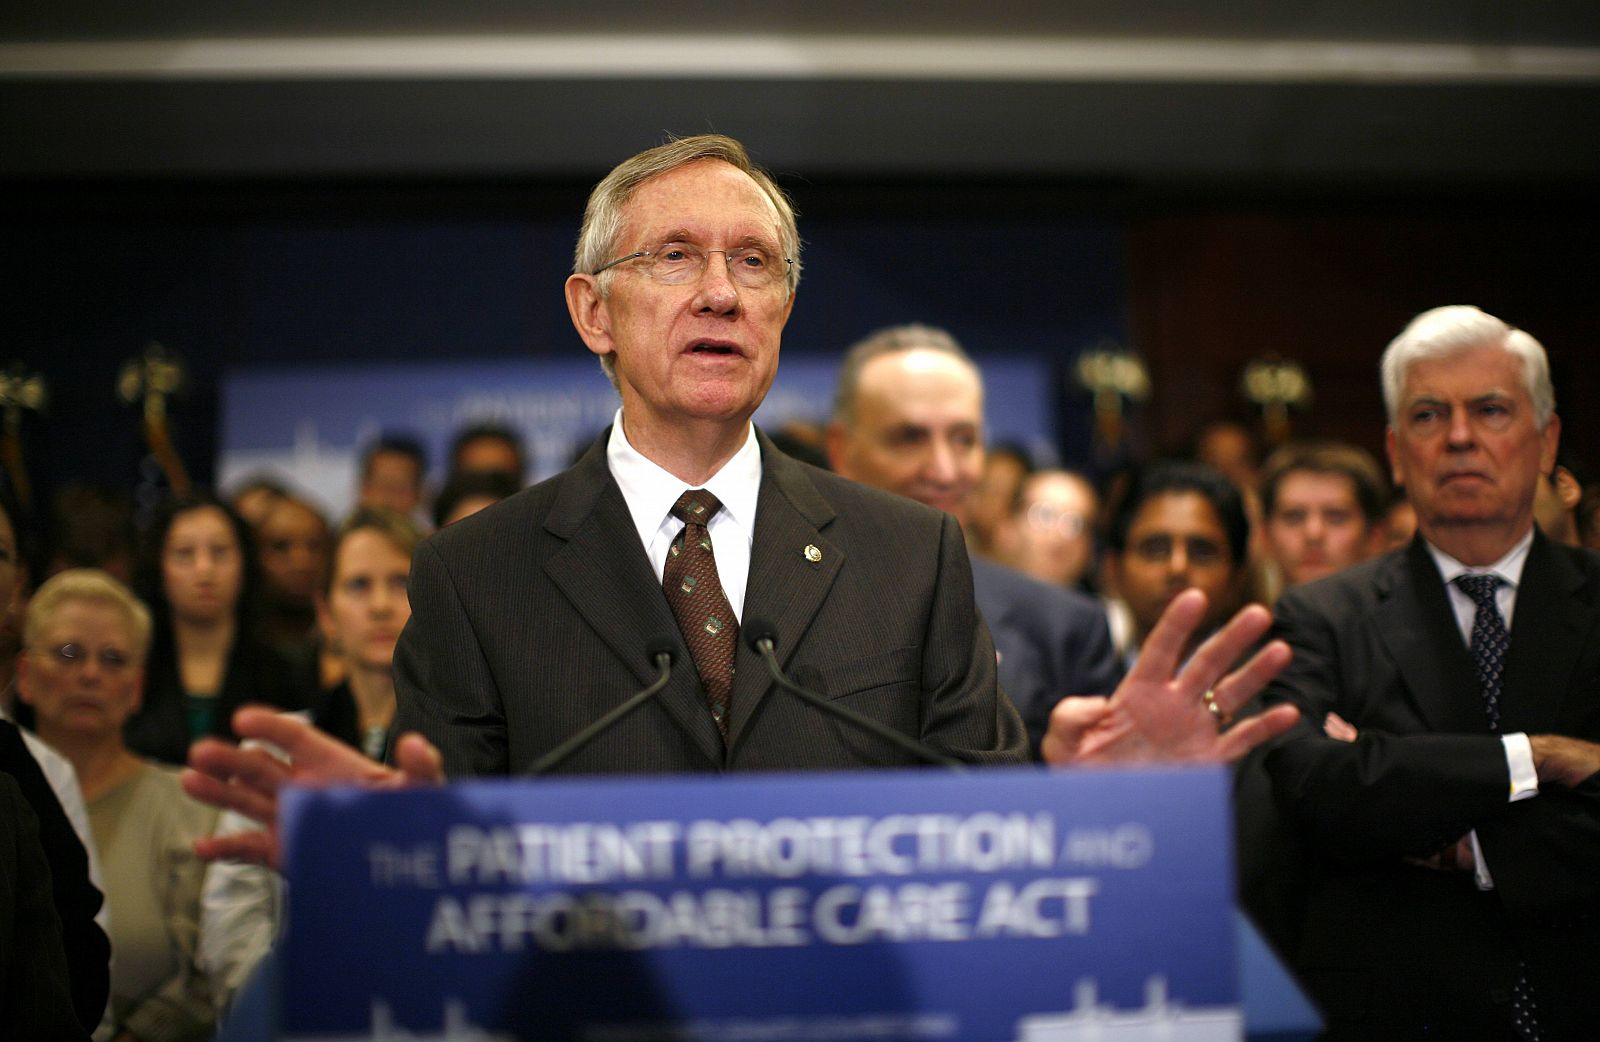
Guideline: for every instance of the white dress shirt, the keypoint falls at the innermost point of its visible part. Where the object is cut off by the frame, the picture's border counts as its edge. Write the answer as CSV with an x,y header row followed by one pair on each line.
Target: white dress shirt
x,y
650,493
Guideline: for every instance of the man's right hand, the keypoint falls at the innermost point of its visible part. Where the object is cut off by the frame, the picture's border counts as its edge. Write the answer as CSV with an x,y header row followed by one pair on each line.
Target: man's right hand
x,y
248,780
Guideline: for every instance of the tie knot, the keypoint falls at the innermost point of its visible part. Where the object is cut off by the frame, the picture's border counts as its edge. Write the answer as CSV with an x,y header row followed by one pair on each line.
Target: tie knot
x,y
1480,588
696,506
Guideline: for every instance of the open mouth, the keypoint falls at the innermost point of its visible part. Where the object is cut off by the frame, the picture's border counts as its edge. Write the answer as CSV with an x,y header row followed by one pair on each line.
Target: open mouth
x,y
711,347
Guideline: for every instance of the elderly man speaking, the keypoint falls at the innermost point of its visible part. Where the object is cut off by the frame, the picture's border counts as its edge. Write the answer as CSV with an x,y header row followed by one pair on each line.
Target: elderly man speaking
x,y
532,619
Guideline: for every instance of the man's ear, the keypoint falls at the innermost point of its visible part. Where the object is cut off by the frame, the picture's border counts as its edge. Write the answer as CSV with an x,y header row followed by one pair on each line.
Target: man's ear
x,y
1549,444
1394,461
834,442
587,309
1567,488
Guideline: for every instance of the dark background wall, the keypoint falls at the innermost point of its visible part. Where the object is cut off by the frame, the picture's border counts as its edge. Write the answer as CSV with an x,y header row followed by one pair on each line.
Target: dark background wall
x,y
304,182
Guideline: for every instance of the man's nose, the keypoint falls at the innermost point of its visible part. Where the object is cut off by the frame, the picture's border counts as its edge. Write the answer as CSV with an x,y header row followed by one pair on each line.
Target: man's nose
x,y
716,290
1460,432
944,465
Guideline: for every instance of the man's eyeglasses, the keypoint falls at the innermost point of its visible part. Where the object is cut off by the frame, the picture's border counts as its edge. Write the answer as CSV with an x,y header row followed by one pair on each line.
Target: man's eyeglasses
x,y
1062,522
1158,549
76,656
680,263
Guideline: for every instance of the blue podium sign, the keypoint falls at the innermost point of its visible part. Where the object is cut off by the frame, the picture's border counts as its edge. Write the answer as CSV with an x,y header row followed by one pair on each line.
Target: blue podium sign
x,y
908,905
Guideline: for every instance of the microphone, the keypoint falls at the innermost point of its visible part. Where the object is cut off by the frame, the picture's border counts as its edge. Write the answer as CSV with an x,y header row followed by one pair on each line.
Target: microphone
x,y
762,637
662,650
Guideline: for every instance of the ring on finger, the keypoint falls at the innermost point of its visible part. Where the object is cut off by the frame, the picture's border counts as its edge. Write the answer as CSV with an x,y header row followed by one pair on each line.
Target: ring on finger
x,y
1220,715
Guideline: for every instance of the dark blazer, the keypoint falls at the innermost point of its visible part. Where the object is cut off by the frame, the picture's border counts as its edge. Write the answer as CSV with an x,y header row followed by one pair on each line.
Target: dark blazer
x,y
1053,642
255,674
36,998
1390,947
530,619
74,897
335,712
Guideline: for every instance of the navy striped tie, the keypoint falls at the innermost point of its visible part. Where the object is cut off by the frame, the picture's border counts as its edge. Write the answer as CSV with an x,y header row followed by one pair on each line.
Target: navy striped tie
x,y
1488,646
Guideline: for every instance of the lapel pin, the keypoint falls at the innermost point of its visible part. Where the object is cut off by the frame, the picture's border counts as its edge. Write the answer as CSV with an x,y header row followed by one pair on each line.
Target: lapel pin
x,y
812,553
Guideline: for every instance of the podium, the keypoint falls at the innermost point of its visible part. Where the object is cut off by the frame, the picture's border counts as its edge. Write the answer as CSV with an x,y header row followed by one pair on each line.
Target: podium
x,y
890,906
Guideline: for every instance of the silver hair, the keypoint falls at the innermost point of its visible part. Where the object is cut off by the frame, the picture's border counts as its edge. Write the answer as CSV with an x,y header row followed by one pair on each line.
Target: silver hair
x,y
893,340
598,239
1451,330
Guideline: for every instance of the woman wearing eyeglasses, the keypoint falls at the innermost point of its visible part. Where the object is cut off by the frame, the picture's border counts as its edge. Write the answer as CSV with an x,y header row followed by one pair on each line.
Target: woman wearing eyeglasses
x,y
199,575
82,671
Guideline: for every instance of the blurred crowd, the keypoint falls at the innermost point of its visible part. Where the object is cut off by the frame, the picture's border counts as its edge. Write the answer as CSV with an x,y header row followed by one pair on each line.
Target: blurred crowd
x,y
121,648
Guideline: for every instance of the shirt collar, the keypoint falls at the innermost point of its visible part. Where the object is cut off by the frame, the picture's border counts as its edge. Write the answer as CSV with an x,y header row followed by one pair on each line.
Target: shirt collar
x,y
1508,567
651,491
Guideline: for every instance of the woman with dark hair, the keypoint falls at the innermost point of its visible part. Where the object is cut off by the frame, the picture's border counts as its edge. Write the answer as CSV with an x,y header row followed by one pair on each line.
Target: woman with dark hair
x,y
362,610
198,574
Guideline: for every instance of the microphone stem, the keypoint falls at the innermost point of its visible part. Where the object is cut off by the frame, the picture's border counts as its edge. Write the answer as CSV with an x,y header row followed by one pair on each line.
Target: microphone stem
x,y
567,748
866,723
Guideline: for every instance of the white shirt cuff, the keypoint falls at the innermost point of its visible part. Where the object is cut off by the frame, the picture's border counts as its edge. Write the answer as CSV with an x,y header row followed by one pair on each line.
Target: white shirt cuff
x,y
1519,758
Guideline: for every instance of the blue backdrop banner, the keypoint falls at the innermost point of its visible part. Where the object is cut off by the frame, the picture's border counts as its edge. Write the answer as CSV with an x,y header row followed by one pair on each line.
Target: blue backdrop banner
x,y
907,905
307,426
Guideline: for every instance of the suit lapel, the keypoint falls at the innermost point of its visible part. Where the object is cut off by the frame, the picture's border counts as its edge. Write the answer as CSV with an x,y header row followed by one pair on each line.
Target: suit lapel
x,y
786,585
604,572
1416,623
1548,627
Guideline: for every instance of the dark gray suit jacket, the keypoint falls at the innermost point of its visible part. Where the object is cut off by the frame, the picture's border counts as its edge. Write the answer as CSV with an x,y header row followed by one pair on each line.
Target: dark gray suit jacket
x,y
530,620
1389,947
1053,642
36,995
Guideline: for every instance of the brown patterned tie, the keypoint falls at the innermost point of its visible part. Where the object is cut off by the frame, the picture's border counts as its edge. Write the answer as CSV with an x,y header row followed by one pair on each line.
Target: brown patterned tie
x,y
702,610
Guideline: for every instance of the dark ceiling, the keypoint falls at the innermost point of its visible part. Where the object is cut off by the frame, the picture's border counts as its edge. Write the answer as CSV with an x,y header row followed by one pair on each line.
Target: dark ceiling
x,y
1413,92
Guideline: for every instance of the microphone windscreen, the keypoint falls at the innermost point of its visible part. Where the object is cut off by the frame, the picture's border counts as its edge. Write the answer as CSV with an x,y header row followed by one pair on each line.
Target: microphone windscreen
x,y
661,644
756,630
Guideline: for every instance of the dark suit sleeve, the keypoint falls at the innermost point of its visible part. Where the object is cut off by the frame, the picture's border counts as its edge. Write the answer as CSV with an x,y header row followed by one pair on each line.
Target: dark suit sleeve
x,y
36,1001
1086,662
965,712
443,685
1389,793
1545,852
1093,656
88,950
1072,634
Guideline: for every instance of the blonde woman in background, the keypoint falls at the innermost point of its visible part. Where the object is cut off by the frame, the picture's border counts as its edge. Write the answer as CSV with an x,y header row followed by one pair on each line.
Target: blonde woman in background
x,y
82,672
